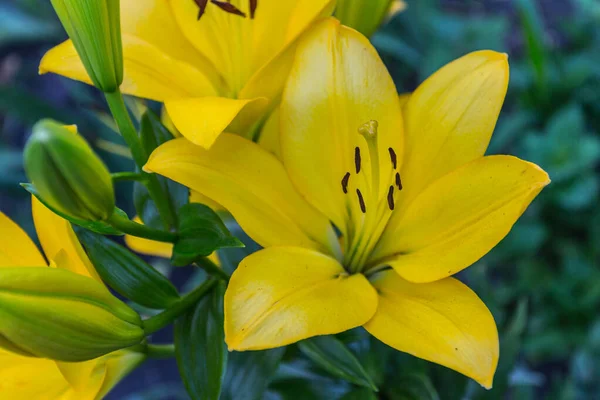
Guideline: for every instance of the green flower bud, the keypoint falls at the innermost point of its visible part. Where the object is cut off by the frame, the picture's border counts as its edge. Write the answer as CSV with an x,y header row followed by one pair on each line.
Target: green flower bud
x,y
95,29
58,314
366,15
66,173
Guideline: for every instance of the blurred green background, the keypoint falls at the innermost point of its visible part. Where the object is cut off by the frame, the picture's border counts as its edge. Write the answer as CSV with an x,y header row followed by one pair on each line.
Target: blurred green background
x,y
542,282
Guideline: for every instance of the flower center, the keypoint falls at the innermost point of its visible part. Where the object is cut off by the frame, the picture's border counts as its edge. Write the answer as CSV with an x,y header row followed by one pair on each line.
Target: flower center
x,y
226,6
371,190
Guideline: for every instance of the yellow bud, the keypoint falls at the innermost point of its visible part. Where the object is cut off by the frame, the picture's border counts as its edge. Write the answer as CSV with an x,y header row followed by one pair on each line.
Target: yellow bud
x,y
57,314
366,15
95,29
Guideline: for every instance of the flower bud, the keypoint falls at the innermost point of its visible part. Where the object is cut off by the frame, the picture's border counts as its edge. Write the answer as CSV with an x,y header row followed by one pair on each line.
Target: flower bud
x,y
366,15
66,173
95,29
57,314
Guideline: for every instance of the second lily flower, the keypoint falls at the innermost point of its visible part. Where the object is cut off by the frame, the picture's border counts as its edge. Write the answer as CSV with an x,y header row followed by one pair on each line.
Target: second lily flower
x,y
413,200
215,71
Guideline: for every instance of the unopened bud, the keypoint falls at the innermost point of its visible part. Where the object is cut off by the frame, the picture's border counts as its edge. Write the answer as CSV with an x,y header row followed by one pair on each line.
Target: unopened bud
x,y
67,174
58,314
95,29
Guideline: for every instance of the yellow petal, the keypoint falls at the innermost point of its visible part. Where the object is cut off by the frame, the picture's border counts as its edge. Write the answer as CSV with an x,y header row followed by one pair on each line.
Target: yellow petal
x,y
443,322
16,248
241,46
118,365
337,84
460,217
251,184
269,138
197,197
202,120
450,118
27,378
141,19
404,97
56,235
79,374
281,295
149,73
149,247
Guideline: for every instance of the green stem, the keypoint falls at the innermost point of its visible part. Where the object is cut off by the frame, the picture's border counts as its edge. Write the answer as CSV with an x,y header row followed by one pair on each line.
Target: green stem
x,y
133,228
127,176
129,133
212,269
160,351
159,321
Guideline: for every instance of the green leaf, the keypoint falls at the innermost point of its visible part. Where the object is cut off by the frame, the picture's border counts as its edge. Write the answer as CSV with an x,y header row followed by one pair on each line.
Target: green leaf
x,y
126,273
414,386
249,373
200,347
95,226
333,356
153,134
360,394
201,232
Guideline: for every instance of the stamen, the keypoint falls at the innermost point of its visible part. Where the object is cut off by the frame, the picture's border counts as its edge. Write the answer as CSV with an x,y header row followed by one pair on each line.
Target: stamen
x,y
361,201
345,180
393,157
398,181
357,159
390,198
253,5
228,7
202,7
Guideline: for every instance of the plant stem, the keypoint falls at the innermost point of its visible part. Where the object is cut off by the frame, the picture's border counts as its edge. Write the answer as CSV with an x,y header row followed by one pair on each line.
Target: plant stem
x,y
160,351
212,269
128,176
133,228
159,321
129,133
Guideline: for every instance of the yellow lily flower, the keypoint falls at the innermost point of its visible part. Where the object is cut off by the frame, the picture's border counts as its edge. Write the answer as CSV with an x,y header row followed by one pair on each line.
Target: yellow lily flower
x,y
212,72
414,201
38,378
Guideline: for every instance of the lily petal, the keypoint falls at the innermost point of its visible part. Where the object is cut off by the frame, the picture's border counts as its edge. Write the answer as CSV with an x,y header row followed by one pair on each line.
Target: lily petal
x,y
251,184
241,46
149,247
149,73
270,134
16,248
141,19
202,120
57,236
80,375
337,84
450,118
443,322
118,365
460,217
31,378
281,295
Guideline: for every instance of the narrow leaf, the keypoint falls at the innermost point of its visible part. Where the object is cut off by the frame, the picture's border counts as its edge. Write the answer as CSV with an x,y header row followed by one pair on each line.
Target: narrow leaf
x,y
128,274
200,347
333,356
249,373
201,232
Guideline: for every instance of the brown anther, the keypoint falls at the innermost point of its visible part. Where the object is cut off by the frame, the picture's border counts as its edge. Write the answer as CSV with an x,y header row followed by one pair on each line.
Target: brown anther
x,y
345,180
253,5
393,157
390,198
398,181
361,201
202,7
228,7
357,159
